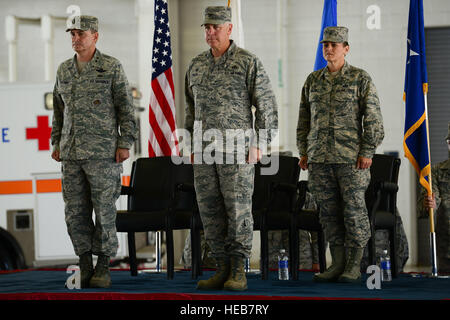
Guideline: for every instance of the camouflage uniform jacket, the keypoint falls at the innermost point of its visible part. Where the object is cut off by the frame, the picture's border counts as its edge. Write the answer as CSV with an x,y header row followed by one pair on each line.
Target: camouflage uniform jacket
x,y
339,116
219,95
89,107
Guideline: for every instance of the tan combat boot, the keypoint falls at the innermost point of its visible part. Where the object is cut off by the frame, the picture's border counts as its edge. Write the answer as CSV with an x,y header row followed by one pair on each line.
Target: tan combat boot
x,y
101,277
86,269
218,279
352,272
236,280
337,266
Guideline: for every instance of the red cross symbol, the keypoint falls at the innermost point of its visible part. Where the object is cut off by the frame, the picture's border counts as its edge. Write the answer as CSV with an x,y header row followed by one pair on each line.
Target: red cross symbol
x,y
42,133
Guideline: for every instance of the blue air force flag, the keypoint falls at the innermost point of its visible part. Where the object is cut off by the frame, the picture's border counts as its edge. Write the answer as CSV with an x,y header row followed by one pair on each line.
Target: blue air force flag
x,y
329,19
415,141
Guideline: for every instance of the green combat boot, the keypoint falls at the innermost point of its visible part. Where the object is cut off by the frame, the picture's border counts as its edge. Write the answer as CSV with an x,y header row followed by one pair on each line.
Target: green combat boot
x,y
337,266
236,280
101,277
218,279
352,272
86,269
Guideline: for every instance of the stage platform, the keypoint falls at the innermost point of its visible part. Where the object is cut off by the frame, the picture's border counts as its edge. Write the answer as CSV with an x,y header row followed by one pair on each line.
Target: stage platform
x,y
43,291
49,284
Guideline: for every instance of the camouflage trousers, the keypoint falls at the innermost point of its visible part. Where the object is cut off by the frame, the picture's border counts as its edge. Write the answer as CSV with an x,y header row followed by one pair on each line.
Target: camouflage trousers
x,y
91,185
339,190
442,223
224,196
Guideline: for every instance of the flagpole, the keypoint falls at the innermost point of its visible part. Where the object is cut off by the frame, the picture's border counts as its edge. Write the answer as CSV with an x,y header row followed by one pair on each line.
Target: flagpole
x,y
434,272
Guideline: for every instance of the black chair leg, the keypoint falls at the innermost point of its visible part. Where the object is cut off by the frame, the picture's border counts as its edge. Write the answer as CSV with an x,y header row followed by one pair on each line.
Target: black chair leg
x,y
372,249
132,253
322,251
264,255
196,253
197,244
199,253
193,254
393,255
293,250
170,254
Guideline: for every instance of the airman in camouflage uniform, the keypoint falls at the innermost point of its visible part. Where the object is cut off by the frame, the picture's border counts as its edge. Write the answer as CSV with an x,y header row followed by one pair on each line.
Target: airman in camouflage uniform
x,y
91,101
440,201
339,127
222,84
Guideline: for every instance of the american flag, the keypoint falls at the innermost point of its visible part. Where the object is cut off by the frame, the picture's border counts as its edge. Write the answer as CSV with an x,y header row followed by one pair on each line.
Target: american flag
x,y
162,139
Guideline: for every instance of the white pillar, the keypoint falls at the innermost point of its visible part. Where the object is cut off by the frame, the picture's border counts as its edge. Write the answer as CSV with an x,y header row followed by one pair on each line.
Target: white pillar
x,y
145,17
282,83
47,36
237,33
11,37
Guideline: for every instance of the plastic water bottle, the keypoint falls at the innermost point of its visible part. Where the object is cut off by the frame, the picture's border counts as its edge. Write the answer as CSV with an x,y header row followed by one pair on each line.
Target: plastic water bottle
x,y
385,266
283,265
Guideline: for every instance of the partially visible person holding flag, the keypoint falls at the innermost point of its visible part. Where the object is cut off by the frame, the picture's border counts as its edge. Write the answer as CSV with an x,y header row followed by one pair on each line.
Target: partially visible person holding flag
x,y
222,84
439,201
339,128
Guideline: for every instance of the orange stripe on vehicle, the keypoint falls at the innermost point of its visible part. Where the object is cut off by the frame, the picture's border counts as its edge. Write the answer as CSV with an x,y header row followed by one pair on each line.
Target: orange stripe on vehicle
x,y
42,186
51,185
16,187
126,181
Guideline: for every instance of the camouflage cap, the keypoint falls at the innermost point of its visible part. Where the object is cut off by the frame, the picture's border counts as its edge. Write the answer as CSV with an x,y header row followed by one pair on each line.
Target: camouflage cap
x,y
217,15
335,34
83,23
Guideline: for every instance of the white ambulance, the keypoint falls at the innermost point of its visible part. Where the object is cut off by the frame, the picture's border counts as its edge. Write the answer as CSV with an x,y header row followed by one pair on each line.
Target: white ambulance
x,y
31,203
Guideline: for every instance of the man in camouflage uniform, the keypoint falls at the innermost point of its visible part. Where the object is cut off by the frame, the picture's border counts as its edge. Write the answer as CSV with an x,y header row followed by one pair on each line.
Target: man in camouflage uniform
x,y
91,101
440,201
222,84
339,127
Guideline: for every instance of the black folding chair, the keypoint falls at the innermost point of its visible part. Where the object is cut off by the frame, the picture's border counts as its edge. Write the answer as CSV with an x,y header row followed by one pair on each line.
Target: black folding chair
x,y
381,201
160,197
306,219
274,197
